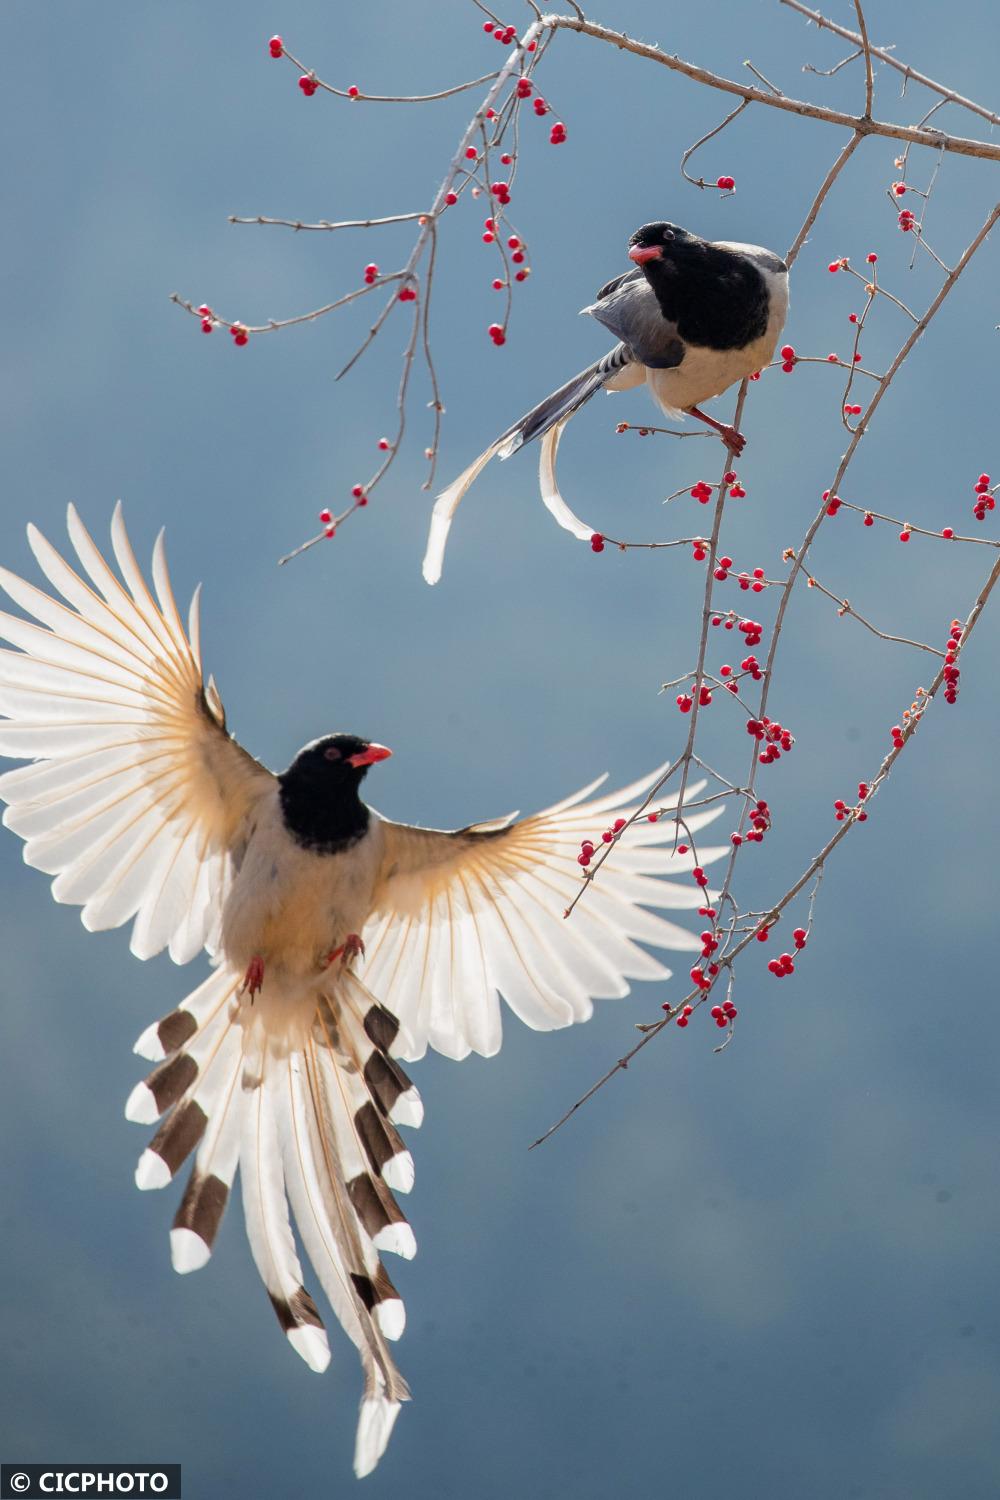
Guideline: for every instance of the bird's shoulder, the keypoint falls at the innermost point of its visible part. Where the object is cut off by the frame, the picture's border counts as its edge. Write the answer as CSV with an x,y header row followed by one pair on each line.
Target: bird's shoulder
x,y
764,259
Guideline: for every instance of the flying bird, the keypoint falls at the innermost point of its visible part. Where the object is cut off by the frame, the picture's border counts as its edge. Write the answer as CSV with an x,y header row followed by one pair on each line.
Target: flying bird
x,y
693,316
341,942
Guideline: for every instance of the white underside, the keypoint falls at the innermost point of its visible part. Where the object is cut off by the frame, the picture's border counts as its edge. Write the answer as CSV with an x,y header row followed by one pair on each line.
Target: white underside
x,y
704,373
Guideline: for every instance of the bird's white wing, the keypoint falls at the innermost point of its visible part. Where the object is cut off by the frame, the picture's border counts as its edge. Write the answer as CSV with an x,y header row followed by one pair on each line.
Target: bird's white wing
x,y
136,791
460,918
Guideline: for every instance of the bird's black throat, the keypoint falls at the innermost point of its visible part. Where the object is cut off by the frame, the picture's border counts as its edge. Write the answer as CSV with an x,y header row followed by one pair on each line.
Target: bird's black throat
x,y
321,817
717,298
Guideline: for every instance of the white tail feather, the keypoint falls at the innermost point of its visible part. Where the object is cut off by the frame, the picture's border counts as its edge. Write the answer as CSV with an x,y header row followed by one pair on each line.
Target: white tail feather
x,y
445,507
549,486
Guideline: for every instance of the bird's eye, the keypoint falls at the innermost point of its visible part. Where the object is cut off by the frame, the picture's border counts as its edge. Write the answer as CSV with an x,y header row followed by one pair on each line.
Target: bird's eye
x,y
331,753
668,234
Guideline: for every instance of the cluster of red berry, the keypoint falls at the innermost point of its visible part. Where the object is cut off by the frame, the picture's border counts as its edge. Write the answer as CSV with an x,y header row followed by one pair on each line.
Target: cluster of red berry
x,y
371,274
773,736
685,702
788,358
840,807
951,672
504,34
724,1014
751,630
586,853
984,500
726,184
760,822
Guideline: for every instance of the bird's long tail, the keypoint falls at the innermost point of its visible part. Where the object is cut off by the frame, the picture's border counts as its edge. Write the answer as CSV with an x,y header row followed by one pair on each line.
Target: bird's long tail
x,y
303,1095
548,417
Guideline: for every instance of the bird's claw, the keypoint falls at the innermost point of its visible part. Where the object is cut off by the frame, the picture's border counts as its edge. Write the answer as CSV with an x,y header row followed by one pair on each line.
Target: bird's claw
x,y
253,979
349,950
733,439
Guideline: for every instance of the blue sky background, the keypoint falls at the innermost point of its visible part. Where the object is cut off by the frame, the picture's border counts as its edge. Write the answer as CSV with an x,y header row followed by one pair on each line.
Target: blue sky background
x,y
767,1273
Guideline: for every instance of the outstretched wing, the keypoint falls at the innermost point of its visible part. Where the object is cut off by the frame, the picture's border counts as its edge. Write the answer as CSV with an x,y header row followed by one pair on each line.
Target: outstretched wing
x,y
136,792
460,918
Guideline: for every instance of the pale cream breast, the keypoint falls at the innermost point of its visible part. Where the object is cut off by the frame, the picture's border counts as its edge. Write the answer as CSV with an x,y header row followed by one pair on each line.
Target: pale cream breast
x,y
704,373
291,906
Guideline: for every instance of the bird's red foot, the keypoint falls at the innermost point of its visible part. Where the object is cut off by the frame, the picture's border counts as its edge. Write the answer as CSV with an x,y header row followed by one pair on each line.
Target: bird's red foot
x,y
253,979
734,440
349,950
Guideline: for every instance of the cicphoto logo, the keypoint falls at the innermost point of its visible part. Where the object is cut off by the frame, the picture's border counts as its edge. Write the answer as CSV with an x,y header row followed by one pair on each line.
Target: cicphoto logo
x,y
39,1481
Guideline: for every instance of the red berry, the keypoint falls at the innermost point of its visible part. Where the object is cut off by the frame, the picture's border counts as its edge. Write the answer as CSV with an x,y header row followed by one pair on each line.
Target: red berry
x,y
206,326
787,352
948,533
451,199
353,91
872,258
597,542
498,286
325,517
307,85
277,46
470,153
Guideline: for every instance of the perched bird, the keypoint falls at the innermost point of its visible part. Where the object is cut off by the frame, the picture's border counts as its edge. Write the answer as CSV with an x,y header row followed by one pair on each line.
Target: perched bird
x,y
340,941
693,316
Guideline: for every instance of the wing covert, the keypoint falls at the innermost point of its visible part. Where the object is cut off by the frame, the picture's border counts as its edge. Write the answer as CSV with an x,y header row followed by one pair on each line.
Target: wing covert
x,y
629,309
461,917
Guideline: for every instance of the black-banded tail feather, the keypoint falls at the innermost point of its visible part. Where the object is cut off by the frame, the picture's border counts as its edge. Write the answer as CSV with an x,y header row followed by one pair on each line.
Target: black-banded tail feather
x,y
563,402
548,417
302,1092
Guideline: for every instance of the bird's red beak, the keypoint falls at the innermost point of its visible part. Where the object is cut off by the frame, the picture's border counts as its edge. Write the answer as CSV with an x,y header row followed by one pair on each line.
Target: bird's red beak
x,y
641,253
370,756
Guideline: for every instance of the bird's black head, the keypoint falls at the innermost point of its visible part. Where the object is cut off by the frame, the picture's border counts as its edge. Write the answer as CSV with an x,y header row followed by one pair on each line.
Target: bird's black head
x,y
660,241
319,791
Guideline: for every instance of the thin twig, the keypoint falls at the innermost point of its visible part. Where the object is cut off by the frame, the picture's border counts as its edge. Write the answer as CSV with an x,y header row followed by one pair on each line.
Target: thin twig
x,y
885,55
866,48
960,145
700,182
844,607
